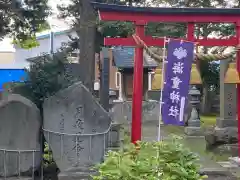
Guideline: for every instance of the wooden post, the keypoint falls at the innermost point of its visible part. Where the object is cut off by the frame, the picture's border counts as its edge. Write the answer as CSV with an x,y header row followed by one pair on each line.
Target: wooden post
x,y
104,87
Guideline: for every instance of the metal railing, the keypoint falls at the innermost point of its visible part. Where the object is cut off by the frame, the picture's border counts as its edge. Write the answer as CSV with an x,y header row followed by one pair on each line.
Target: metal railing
x,y
88,139
95,154
19,153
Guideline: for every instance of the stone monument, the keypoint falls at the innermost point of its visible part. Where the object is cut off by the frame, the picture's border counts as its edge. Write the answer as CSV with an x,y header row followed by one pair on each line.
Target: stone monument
x,y
76,127
228,100
19,131
226,126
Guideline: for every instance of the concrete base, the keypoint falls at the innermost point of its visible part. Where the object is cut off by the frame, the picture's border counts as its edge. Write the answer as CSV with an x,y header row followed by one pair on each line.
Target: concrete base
x,y
194,123
73,176
228,134
193,131
218,173
83,173
222,123
17,178
218,136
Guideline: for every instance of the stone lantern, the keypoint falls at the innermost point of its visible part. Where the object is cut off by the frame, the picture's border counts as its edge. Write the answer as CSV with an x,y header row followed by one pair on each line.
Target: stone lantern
x,y
194,80
194,124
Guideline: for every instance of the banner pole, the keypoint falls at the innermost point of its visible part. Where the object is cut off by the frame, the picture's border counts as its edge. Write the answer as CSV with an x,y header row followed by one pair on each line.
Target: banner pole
x,y
162,83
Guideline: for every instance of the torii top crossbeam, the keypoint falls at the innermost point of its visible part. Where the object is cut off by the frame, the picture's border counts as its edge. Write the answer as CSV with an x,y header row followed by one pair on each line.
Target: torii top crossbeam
x,y
144,15
140,16
156,14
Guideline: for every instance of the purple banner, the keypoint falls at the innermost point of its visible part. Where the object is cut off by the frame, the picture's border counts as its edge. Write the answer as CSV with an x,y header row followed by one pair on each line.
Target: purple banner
x,y
176,83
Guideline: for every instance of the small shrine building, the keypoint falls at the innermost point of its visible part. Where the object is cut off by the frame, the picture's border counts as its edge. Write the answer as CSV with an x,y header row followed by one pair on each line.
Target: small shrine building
x,y
123,60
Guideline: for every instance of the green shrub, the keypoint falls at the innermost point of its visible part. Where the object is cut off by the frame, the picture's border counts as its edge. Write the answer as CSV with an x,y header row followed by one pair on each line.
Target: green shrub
x,y
165,160
47,156
46,76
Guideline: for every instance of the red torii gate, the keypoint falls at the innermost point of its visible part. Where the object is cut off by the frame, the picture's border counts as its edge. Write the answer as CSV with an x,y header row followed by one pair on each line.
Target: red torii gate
x,y
140,16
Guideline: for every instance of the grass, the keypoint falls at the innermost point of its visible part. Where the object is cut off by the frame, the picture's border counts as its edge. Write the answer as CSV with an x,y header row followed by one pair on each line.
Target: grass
x,y
208,120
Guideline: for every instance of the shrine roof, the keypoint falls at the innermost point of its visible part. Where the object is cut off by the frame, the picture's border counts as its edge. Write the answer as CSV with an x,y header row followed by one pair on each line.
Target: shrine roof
x,y
123,57
164,10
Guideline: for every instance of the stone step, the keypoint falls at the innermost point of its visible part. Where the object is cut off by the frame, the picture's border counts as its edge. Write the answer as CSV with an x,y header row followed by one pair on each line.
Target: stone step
x,y
218,174
227,164
83,173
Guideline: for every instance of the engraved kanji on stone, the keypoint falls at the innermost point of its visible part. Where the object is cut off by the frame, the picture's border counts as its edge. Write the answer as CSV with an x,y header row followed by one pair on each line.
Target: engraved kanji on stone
x,y
94,113
230,113
79,124
79,120
229,97
175,97
77,145
79,110
61,124
176,82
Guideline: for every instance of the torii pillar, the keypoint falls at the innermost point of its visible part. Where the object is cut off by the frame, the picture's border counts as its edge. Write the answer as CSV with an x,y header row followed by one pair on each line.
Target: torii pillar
x,y
238,85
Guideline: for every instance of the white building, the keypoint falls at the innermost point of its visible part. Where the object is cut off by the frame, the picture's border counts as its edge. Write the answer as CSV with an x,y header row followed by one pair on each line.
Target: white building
x,y
6,52
44,40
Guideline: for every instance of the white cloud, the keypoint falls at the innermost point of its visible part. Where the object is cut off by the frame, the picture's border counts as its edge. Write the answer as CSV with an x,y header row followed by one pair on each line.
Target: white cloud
x,y
57,24
6,45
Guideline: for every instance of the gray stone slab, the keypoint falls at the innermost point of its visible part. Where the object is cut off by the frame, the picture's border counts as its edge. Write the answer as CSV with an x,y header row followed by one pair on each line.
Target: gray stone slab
x,y
222,123
75,126
218,174
193,131
219,136
122,111
83,173
114,136
19,136
227,164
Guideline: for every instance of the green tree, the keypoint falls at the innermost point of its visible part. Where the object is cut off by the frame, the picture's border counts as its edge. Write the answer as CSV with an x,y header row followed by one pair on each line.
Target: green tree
x,y
89,31
21,19
46,76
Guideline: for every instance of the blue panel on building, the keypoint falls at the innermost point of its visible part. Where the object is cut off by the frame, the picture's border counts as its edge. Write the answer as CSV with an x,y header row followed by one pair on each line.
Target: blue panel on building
x,y
12,75
123,57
